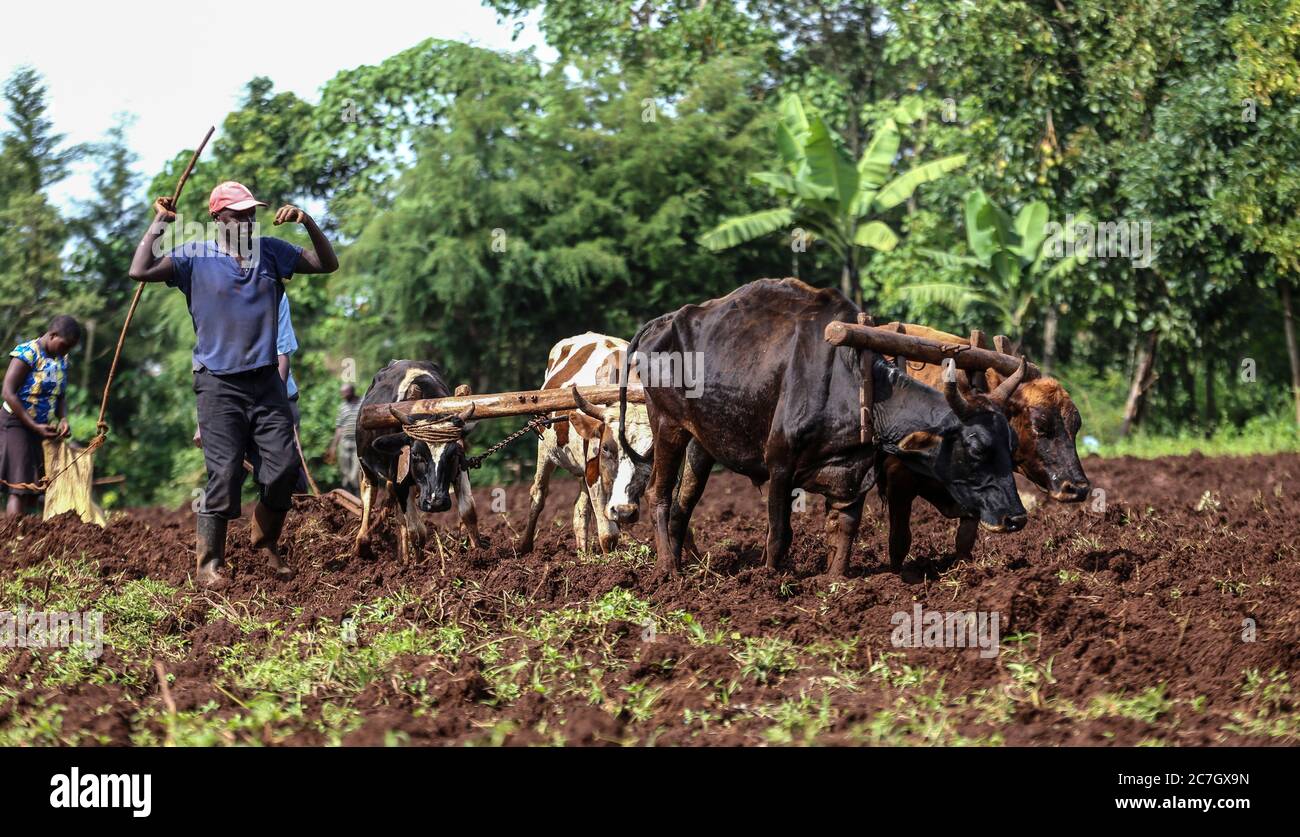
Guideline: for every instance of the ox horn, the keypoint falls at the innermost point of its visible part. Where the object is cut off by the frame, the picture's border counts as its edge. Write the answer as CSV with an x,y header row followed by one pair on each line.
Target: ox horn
x,y
587,407
956,393
1002,394
405,421
465,415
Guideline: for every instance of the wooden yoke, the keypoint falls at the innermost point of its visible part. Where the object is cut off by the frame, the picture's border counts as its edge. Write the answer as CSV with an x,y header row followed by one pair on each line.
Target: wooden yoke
x,y
920,348
976,380
495,405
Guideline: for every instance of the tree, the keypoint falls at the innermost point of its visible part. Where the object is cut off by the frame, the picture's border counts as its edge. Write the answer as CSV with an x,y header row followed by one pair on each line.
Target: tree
x,y
261,144
545,207
664,41
827,196
1016,262
1260,197
104,231
31,232
34,158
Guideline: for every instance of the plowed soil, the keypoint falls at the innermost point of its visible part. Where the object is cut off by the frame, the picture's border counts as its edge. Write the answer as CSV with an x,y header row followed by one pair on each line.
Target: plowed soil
x,y
1162,613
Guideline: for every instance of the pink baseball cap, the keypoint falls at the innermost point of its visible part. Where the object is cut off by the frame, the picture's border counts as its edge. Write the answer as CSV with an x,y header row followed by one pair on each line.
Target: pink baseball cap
x,y
231,195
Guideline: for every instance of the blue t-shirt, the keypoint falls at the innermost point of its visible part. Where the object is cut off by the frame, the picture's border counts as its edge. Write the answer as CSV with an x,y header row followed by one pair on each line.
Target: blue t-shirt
x,y
235,311
286,342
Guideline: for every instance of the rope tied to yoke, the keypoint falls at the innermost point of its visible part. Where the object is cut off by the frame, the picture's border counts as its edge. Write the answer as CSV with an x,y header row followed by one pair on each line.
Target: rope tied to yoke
x,y
434,431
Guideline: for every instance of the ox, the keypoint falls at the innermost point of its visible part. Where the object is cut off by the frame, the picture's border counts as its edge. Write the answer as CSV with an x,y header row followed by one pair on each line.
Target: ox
x,y
399,463
1045,422
585,443
780,405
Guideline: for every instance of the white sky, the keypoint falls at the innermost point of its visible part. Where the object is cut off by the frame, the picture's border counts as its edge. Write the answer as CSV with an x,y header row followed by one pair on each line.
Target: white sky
x,y
182,66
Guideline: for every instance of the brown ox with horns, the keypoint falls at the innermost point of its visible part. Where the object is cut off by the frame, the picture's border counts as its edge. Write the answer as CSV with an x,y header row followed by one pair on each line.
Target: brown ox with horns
x,y
775,402
1040,413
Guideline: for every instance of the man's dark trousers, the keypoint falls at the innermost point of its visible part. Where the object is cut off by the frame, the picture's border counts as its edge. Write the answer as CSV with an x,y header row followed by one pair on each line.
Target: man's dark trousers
x,y
240,414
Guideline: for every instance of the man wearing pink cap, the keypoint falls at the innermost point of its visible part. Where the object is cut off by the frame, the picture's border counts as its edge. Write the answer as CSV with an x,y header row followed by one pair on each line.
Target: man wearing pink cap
x,y
233,286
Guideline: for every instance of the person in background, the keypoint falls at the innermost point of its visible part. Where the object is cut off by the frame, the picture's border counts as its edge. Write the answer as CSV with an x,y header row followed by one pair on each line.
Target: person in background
x,y
344,442
35,407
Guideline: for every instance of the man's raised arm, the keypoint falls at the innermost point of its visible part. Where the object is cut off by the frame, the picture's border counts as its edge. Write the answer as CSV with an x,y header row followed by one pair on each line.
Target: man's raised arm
x,y
145,265
320,258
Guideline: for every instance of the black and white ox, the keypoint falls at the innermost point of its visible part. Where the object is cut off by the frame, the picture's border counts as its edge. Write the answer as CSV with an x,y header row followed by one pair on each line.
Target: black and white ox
x,y
398,463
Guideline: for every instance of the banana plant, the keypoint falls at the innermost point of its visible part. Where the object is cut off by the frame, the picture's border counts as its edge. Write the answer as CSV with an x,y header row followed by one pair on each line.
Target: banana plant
x,y
1015,262
825,195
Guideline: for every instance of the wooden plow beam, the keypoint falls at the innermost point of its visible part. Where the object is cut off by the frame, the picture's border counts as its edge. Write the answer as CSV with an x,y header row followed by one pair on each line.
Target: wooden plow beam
x,y
497,405
888,342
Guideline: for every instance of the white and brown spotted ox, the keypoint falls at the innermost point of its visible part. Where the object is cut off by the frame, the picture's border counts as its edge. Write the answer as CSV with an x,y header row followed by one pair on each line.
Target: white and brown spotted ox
x,y
397,464
586,444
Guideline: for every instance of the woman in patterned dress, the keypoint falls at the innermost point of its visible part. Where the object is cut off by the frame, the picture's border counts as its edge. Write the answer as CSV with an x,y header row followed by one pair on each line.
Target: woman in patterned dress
x,y
34,407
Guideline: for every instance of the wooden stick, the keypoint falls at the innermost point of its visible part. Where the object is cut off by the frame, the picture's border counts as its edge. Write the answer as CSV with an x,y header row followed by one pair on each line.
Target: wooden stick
x,y
185,175
499,405
164,688
920,348
302,458
101,426
346,499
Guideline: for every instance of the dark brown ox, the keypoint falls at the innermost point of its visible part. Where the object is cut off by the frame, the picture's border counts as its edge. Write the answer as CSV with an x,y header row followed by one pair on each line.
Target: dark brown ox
x,y
1045,422
774,401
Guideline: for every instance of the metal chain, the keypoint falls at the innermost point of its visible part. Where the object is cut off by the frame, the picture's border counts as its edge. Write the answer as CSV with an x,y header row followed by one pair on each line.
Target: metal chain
x,y
535,425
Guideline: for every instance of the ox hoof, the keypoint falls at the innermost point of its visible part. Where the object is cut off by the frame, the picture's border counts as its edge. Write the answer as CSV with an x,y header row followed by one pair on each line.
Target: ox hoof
x,y
664,572
911,575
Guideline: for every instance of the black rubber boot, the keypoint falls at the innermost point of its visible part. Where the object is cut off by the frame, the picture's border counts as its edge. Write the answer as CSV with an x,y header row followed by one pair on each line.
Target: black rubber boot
x,y
267,525
210,550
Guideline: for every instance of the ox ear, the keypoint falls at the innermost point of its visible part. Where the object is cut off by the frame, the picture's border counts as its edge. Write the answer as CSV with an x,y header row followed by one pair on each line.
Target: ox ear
x,y
586,426
390,444
919,441
403,463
